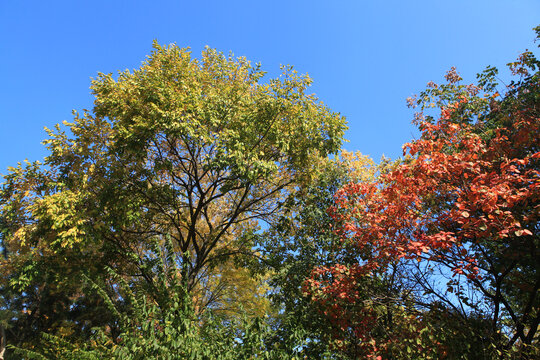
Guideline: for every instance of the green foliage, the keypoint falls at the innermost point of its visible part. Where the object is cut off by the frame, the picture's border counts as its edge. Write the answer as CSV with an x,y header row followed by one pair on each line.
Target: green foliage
x,y
167,329
195,151
304,239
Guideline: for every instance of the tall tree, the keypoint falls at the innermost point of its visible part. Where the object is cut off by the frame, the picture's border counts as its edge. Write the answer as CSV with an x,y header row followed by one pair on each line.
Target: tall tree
x,y
466,202
187,150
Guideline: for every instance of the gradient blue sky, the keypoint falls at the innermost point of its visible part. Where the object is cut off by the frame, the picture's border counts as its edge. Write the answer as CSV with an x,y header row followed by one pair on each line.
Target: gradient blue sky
x,y
366,57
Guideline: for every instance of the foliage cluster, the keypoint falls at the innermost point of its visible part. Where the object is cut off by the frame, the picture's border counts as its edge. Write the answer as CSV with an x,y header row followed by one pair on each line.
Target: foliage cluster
x,y
197,212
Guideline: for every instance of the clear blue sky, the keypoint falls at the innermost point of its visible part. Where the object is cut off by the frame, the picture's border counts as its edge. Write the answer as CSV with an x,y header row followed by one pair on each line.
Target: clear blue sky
x,y
366,57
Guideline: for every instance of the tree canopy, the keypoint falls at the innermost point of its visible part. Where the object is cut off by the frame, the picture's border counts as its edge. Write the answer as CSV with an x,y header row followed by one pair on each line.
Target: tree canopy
x,y
463,205
183,150
200,210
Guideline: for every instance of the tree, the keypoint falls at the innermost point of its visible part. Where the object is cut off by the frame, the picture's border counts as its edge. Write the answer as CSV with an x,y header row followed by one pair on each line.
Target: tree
x,y
189,150
304,239
465,201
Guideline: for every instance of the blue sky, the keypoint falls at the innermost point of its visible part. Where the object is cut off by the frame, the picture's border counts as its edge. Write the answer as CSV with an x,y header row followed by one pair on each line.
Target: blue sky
x,y
365,57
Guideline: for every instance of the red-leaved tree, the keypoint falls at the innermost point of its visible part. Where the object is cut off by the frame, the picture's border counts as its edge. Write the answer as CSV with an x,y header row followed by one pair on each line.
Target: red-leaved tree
x,y
465,201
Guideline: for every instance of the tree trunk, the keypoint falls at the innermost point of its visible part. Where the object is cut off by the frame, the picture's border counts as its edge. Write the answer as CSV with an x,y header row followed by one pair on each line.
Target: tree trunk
x,y
2,342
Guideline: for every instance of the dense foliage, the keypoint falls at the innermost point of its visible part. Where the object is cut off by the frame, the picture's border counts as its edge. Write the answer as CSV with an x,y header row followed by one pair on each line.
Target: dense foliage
x,y
462,206
192,151
200,211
